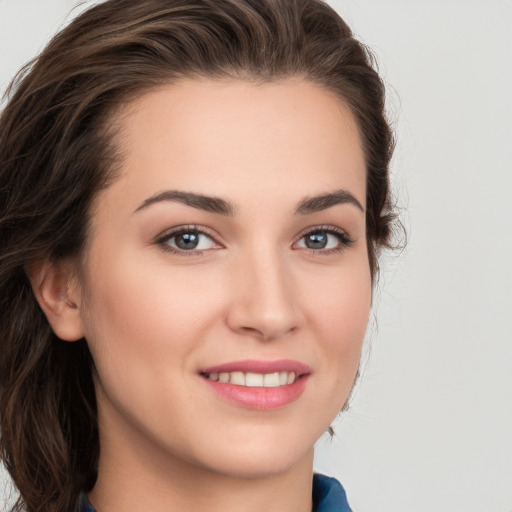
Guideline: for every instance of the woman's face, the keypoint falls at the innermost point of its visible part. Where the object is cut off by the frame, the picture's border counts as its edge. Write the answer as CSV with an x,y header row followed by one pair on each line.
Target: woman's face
x,y
226,285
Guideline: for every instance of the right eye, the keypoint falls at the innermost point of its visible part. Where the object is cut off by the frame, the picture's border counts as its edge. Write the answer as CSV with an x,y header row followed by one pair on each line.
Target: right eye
x,y
187,240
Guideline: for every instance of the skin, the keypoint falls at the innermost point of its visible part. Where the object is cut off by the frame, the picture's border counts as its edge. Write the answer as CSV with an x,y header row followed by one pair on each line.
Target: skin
x,y
153,318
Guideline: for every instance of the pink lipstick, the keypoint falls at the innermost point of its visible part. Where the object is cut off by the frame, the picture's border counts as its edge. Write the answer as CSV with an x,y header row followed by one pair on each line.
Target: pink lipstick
x,y
257,384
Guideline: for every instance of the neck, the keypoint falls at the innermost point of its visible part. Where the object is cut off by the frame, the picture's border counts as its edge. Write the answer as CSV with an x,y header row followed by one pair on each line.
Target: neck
x,y
135,475
198,489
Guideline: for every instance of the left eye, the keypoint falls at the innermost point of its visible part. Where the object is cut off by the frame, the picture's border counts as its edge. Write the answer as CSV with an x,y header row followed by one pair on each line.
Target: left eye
x,y
188,241
322,240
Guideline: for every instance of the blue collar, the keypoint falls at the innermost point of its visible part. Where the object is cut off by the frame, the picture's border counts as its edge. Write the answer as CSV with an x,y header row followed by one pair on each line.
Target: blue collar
x,y
328,496
84,505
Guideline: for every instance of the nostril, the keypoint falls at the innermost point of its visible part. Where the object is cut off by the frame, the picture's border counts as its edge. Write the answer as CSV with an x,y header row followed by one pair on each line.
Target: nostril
x,y
268,334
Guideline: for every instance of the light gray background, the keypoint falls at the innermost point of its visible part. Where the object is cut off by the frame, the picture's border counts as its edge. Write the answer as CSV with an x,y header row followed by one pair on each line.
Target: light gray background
x,y
430,427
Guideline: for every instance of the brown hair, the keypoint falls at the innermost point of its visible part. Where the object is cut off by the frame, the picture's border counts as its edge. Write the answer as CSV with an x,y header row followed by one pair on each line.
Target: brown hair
x,y
56,153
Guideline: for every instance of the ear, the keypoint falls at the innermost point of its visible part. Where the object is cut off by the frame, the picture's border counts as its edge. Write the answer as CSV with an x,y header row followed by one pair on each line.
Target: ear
x,y
58,293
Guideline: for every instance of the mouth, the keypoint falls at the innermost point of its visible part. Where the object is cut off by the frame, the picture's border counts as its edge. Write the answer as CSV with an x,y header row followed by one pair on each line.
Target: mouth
x,y
258,384
253,380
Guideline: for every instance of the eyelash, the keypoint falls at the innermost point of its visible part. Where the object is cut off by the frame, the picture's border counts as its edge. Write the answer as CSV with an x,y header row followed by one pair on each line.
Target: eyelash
x,y
162,241
344,241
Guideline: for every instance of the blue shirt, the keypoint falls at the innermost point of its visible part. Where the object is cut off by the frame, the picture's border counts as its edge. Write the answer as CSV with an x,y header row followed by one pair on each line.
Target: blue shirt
x,y
328,496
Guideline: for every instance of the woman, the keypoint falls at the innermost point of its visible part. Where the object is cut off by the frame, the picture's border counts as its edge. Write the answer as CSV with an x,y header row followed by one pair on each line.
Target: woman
x,y
193,197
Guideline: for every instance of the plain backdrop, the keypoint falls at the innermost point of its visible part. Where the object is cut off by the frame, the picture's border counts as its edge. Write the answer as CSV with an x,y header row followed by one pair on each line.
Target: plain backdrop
x,y
430,425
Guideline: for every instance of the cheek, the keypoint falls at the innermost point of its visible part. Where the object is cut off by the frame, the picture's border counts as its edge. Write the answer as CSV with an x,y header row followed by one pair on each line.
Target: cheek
x,y
143,321
339,316
345,337
341,306
144,300
140,311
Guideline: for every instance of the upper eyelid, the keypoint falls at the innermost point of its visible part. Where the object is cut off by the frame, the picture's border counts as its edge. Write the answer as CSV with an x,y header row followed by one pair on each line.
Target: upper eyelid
x,y
169,233
324,227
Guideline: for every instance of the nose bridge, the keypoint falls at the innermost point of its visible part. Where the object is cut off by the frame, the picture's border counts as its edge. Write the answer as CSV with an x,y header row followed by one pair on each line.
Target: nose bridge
x,y
266,301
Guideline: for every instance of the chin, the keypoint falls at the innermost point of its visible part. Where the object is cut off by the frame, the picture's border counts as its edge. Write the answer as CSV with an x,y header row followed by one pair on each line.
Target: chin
x,y
266,464
259,455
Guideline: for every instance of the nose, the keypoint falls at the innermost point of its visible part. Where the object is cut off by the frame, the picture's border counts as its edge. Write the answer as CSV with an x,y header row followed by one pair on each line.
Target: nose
x,y
264,301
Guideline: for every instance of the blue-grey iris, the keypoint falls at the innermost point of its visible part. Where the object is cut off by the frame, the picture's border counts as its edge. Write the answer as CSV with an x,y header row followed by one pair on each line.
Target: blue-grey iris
x,y
316,240
187,241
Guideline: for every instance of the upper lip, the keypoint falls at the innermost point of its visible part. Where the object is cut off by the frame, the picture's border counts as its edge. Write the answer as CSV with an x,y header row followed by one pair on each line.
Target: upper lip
x,y
257,366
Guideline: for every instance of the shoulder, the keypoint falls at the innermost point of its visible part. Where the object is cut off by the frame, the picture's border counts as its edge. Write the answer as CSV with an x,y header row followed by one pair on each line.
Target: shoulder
x,y
329,495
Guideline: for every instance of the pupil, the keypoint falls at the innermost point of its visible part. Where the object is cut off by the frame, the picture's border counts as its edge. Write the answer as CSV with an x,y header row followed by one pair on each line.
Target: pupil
x,y
316,241
187,240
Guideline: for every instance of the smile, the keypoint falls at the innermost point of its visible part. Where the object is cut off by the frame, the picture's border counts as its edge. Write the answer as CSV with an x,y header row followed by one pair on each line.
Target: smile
x,y
253,380
261,385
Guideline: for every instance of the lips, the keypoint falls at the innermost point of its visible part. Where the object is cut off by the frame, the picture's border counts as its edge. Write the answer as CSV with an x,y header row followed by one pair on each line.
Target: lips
x,y
256,366
258,384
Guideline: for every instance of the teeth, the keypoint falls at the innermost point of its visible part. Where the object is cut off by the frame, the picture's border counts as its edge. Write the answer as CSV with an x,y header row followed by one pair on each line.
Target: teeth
x,y
271,380
254,380
267,380
237,378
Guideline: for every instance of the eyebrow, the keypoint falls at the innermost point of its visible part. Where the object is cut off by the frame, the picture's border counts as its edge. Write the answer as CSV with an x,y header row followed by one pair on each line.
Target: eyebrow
x,y
221,206
199,201
324,201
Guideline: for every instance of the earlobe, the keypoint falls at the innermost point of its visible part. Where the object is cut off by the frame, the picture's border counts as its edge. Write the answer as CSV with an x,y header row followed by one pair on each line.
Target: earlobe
x,y
57,293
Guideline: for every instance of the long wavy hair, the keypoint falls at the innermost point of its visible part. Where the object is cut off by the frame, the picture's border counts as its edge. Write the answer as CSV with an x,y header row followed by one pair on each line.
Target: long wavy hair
x,y
57,152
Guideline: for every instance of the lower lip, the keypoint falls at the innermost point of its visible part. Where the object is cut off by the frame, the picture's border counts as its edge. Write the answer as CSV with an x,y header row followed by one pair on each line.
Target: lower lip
x,y
259,397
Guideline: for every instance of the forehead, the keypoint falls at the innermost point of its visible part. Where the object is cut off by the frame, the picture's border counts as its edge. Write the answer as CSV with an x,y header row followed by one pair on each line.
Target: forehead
x,y
240,139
